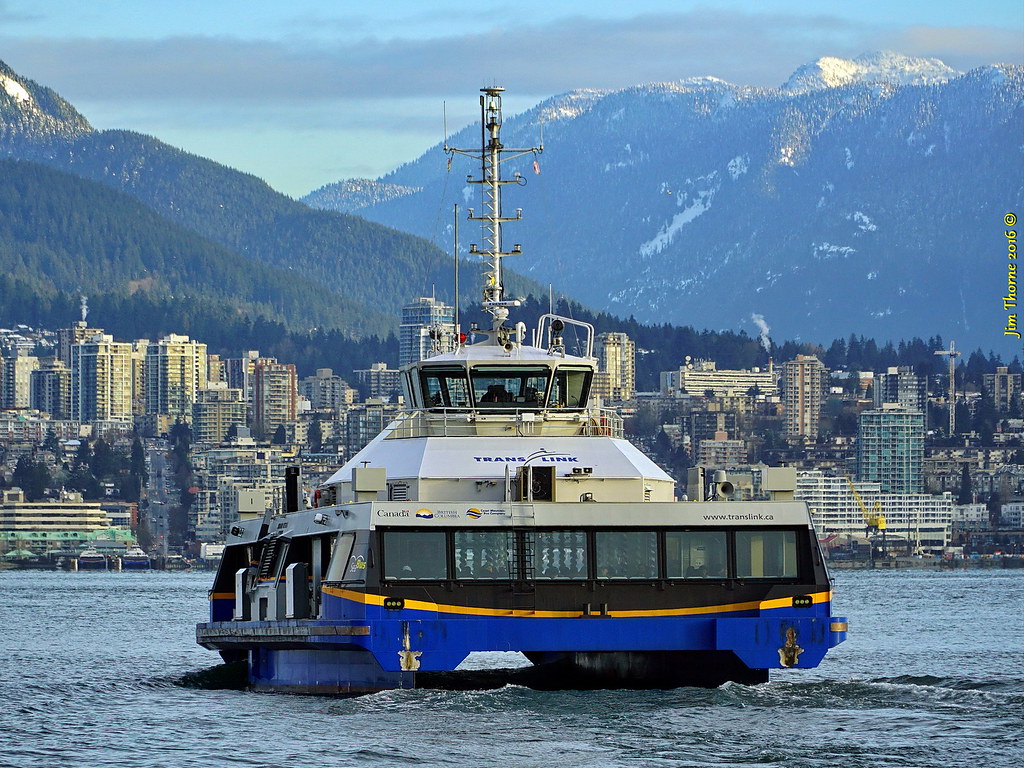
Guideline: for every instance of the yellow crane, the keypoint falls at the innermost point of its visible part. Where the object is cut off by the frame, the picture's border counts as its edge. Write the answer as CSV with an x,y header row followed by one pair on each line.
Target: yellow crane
x,y
875,519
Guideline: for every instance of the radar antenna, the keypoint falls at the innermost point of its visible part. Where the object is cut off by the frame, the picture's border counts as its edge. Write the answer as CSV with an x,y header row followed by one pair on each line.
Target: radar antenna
x,y
491,155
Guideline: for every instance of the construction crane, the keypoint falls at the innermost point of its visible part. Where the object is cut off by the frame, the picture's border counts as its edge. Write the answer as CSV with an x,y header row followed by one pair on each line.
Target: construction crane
x,y
953,355
874,519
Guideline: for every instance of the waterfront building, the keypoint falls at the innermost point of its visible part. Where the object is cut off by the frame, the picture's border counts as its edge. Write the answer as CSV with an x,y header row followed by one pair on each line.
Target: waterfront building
x,y
41,526
803,388
890,449
1012,515
427,329
616,367
918,520
241,478
900,386
101,380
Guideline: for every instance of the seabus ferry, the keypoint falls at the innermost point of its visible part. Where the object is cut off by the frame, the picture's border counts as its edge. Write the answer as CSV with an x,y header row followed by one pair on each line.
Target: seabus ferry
x,y
505,511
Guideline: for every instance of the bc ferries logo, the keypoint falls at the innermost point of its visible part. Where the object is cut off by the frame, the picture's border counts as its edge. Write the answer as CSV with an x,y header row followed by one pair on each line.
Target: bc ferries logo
x,y
426,514
473,513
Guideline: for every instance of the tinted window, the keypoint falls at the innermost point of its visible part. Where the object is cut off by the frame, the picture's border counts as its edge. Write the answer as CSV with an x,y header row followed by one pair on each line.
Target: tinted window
x,y
696,554
445,388
627,554
560,555
482,554
415,555
506,387
766,554
570,389
339,568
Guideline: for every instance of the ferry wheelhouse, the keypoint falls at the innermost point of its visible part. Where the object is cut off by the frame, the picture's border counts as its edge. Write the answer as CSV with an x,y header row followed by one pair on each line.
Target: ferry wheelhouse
x,y
504,511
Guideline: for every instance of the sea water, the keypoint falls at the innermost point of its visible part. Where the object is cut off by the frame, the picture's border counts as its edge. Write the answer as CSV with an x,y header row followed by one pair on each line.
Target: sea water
x,y
102,669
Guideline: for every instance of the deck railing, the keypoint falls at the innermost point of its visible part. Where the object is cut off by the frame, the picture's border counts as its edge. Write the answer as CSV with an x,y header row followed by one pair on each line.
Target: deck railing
x,y
462,422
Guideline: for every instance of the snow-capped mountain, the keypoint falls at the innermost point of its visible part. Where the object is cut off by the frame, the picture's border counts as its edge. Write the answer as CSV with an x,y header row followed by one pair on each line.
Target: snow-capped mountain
x,y
862,196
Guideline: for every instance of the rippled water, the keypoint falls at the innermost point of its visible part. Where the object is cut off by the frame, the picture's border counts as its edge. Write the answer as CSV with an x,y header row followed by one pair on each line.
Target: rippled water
x,y
102,669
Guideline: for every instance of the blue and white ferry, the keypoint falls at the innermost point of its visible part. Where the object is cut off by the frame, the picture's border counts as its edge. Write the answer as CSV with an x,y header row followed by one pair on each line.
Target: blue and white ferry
x,y
504,511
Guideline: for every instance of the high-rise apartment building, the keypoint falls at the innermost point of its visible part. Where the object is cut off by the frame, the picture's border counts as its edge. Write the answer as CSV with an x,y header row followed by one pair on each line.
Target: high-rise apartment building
x,y
101,380
900,386
616,359
51,389
379,380
217,409
1003,386
803,381
327,392
18,364
175,373
274,395
890,449
428,328
68,337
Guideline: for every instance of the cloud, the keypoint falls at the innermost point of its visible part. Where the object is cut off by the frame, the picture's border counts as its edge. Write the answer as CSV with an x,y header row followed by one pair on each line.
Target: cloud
x,y
539,59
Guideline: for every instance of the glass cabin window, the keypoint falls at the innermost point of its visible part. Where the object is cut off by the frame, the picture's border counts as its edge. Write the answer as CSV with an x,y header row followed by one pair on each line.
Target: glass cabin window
x,y
445,388
571,388
626,554
766,555
510,387
560,555
339,567
696,554
415,555
482,554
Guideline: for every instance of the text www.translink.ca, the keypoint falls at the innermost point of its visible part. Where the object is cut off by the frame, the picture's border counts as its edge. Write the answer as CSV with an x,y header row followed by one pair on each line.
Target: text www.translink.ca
x,y
739,517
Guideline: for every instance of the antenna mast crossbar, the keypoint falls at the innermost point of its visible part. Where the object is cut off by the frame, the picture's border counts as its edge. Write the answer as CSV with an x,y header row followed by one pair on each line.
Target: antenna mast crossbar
x,y
491,155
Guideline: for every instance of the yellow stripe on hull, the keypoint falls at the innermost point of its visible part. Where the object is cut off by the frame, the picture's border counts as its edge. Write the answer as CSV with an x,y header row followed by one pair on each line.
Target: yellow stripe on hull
x,y
420,605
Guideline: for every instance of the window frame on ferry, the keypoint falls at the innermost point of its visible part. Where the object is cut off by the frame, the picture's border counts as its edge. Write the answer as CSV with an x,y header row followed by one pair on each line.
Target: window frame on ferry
x,y
606,555
524,385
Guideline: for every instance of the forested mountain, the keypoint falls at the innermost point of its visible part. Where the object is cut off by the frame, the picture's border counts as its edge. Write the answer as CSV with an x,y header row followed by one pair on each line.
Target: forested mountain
x,y
862,196
60,232
360,272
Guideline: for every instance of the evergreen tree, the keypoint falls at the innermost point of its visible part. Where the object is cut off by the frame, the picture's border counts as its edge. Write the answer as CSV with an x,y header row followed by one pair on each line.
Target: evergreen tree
x,y
966,495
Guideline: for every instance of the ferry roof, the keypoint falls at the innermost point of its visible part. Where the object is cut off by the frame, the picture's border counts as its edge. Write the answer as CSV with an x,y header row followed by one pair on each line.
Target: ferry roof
x,y
486,352
485,457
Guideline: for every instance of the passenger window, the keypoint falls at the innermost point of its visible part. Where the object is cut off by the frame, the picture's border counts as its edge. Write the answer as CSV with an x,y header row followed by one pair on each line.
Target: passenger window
x,y
560,555
627,554
766,555
696,554
339,567
482,554
415,555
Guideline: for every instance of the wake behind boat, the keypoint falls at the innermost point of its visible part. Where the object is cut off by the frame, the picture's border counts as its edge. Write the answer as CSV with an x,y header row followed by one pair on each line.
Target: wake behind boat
x,y
505,511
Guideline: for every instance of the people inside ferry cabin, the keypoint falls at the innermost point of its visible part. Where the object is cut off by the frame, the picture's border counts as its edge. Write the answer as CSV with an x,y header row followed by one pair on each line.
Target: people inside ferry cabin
x,y
496,393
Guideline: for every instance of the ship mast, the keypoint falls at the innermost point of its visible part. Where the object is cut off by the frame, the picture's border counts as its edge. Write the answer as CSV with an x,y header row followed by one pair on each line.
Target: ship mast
x,y
491,155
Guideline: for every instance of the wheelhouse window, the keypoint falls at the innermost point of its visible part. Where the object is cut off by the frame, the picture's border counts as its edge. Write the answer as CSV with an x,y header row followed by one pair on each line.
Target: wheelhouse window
x,y
626,554
696,554
415,555
510,387
482,554
571,387
445,387
339,567
766,554
560,555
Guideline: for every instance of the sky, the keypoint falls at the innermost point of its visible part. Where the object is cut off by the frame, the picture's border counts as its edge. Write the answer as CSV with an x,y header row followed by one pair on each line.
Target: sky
x,y
308,92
